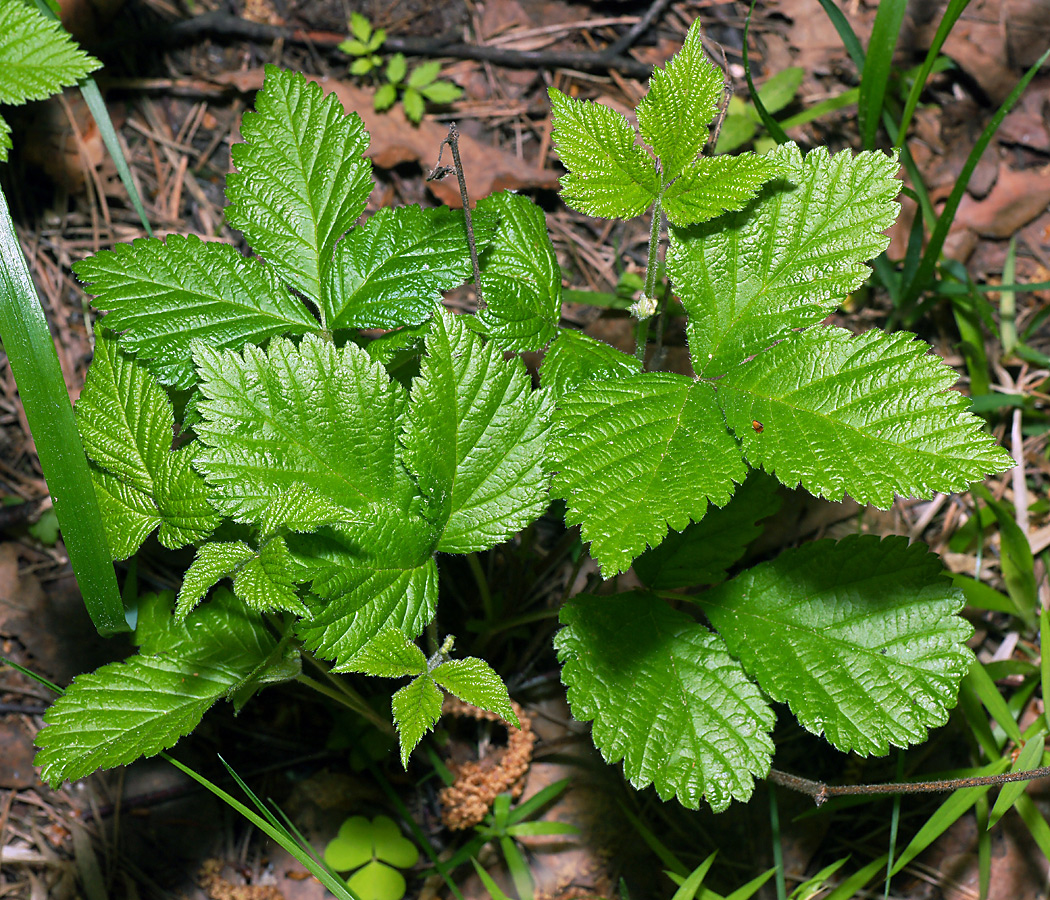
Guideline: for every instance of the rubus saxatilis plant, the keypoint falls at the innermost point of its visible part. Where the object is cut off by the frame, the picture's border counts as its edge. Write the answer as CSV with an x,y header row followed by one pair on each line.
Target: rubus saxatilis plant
x,y
327,490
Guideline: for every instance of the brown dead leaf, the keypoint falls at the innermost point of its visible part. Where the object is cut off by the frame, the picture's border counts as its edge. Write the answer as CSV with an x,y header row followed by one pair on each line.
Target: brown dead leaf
x,y
395,140
16,751
1019,195
65,149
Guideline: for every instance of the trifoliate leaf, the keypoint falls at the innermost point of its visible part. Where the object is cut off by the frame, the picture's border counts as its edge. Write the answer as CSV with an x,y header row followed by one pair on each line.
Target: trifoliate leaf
x,y
665,697
389,655
265,582
713,185
315,414
473,681
126,423
681,102
859,637
520,276
869,416
391,270
637,455
366,580
704,550
214,561
475,439
749,278
39,57
146,703
301,179
416,707
162,295
609,175
575,358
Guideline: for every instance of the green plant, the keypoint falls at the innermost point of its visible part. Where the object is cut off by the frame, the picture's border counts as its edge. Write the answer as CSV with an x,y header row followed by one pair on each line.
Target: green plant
x,y
376,849
416,88
325,489
742,120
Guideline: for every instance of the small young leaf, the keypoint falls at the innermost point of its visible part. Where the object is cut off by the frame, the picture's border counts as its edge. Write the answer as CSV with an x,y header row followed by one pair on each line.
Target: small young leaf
x,y
665,697
681,102
360,27
704,550
214,561
385,97
390,271
520,275
748,279
859,637
302,510
389,655
360,66
575,358
300,146
396,68
146,703
39,57
780,88
473,681
442,92
637,455
264,582
475,439
711,186
736,131
609,175
424,74
377,41
870,416
162,295
416,708
414,105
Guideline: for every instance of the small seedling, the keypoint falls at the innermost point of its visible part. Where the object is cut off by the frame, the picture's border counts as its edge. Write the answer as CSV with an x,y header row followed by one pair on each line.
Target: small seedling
x,y
363,44
376,849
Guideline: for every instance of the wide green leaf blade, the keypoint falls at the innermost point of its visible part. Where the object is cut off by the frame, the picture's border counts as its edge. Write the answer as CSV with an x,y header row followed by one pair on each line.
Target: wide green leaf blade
x,y
704,550
749,278
390,271
474,681
416,707
163,295
574,358
314,414
520,275
39,57
665,697
674,115
389,655
609,175
859,637
146,703
870,416
475,438
302,179
637,455
713,185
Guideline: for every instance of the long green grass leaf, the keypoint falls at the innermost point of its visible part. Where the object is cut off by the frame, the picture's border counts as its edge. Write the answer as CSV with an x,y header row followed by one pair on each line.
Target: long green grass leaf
x,y
877,67
34,363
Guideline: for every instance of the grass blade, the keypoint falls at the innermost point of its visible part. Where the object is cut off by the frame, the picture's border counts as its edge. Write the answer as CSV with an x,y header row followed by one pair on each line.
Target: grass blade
x,y
34,363
877,67
1027,759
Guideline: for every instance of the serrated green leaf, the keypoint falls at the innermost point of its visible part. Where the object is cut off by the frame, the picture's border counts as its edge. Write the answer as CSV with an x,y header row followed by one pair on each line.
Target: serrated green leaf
x,y
704,550
214,561
749,278
302,179
39,57
520,275
315,414
5,139
575,358
146,703
608,175
665,697
713,185
389,655
870,416
396,68
265,582
475,439
637,455
385,97
416,708
302,510
424,74
126,423
680,104
161,295
442,92
413,104
859,637
390,271
473,681
366,580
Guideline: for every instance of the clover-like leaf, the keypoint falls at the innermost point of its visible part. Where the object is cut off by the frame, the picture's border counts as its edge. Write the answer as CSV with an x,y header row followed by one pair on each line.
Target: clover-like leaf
x,y
859,637
665,697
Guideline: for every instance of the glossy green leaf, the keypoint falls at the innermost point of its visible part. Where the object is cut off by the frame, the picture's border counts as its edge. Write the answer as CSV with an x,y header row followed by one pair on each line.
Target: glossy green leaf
x,y
416,708
711,186
474,681
574,358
